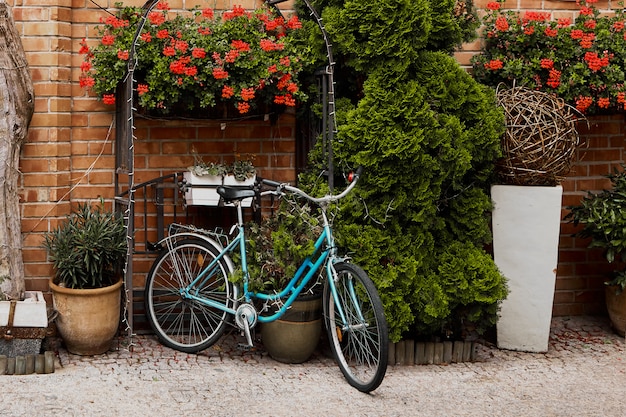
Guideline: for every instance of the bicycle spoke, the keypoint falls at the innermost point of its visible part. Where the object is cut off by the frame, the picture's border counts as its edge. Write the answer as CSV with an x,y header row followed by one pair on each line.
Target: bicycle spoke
x,y
360,343
178,320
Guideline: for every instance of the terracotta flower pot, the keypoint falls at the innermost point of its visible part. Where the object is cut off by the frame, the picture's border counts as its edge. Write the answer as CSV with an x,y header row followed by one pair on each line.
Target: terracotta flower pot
x,y
88,318
616,306
294,337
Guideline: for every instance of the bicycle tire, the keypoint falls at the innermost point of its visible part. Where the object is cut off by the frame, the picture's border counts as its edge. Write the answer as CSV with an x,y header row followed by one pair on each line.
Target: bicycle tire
x,y
183,324
361,349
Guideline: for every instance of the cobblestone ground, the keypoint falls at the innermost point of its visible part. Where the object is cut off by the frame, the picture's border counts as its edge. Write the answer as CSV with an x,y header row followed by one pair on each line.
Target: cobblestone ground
x,y
582,374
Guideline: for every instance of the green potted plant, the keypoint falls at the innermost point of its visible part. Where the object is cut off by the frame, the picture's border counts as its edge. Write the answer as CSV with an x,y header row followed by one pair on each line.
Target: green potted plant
x,y
276,248
241,171
603,216
86,251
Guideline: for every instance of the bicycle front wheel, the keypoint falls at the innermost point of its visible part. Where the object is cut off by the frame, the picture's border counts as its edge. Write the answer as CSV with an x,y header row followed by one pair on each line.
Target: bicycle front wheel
x,y
357,329
180,322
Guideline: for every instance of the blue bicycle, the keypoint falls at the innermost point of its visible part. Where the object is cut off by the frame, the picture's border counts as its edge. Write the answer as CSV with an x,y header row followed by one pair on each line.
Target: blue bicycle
x,y
190,300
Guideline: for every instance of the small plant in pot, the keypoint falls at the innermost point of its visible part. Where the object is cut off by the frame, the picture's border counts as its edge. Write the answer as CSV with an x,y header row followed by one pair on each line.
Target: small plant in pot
x,y
603,216
86,251
242,169
276,248
201,169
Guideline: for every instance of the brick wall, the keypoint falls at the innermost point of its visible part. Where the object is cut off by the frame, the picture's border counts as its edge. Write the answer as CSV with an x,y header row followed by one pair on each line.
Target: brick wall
x,y
69,156
581,272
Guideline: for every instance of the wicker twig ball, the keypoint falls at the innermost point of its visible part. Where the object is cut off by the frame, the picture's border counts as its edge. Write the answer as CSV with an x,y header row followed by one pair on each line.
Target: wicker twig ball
x,y
540,137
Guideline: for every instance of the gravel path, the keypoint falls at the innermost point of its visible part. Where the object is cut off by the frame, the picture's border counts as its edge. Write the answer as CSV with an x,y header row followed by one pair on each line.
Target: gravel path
x,y
583,374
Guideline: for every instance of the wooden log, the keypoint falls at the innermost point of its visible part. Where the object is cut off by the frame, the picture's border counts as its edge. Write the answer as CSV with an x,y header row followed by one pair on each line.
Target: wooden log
x,y
30,364
3,364
17,105
20,365
420,353
49,362
447,352
429,353
467,351
457,352
391,355
409,352
438,353
400,352
40,364
10,366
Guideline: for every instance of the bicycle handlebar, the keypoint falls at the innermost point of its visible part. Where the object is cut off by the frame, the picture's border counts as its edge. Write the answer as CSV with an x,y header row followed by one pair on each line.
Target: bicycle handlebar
x,y
280,187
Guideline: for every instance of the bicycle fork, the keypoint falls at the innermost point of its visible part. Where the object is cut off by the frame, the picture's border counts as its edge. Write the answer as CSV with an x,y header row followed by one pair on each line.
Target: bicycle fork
x,y
333,279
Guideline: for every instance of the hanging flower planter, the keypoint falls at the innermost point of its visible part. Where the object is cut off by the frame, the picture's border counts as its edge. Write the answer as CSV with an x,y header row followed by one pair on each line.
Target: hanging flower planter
x,y
197,60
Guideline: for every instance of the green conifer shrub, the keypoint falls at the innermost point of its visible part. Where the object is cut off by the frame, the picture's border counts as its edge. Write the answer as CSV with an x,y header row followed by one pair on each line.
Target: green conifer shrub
x,y
427,135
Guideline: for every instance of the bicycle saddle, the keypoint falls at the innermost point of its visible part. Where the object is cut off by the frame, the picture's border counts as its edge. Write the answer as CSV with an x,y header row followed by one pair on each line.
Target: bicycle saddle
x,y
233,193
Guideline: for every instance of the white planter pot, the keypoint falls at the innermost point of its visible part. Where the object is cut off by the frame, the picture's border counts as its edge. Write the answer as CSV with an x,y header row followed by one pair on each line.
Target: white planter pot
x,y
526,227
202,191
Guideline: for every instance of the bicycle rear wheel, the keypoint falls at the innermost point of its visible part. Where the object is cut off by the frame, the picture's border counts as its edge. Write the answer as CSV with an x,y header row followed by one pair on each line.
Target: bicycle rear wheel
x,y
361,344
178,321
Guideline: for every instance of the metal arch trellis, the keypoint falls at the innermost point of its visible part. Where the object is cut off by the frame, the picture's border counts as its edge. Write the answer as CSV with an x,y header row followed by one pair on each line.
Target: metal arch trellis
x,y
124,147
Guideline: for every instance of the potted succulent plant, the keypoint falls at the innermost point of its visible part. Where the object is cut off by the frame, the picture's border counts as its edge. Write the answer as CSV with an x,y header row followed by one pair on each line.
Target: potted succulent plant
x,y
603,216
241,170
86,251
277,246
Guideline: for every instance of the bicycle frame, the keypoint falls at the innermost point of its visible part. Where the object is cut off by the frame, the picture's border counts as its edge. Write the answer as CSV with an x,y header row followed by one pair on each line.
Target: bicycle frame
x,y
325,252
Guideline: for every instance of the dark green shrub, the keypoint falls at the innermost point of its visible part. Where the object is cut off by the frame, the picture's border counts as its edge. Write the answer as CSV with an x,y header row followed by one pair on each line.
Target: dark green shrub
x,y
367,31
427,135
454,22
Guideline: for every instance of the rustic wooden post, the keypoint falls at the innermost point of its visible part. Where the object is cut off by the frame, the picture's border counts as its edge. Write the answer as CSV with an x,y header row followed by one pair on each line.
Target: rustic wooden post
x,y
17,105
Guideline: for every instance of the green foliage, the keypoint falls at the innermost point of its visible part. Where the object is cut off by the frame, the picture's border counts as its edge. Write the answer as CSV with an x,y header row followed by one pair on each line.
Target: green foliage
x,y
454,22
427,135
241,168
278,245
87,248
603,216
464,286
418,220
373,31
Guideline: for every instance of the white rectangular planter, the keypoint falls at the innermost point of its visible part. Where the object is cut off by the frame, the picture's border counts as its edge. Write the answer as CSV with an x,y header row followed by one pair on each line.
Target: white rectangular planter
x,y
526,227
206,194
30,321
203,189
